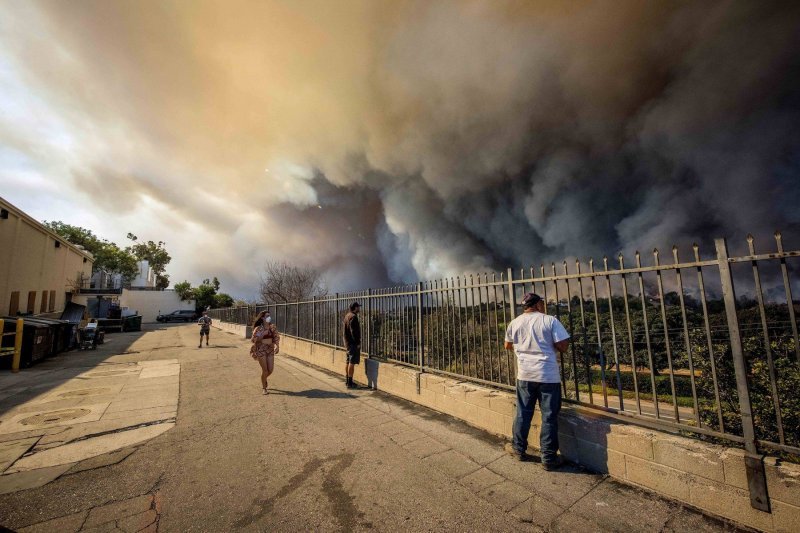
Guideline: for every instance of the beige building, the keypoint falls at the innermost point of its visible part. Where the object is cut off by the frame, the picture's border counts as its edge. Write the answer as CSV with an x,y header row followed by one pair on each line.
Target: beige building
x,y
38,268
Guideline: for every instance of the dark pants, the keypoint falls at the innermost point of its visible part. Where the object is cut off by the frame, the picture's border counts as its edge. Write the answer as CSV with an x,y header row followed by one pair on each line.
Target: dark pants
x,y
549,397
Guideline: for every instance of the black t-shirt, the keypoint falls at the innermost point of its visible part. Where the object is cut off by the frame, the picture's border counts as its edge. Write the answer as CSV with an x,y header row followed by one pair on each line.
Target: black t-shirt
x,y
351,331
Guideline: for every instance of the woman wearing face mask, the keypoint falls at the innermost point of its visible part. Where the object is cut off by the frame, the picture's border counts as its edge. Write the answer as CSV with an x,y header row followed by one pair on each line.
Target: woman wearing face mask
x,y
266,341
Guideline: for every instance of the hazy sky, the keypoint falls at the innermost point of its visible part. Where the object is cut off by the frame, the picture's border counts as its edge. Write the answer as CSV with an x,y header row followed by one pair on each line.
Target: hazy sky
x,y
391,141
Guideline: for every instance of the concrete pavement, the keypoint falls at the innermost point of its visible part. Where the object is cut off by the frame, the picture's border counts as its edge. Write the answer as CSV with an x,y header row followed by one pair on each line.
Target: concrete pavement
x,y
310,456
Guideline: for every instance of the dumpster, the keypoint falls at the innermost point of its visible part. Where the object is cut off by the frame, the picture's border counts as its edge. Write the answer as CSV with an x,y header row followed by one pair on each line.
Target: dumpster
x,y
73,313
37,340
110,324
132,323
62,333
53,339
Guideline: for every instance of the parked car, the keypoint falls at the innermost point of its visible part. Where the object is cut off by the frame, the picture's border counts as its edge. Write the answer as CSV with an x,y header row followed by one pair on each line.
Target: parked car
x,y
182,315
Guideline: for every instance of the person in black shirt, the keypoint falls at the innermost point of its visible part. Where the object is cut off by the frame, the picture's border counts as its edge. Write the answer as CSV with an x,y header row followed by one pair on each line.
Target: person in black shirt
x,y
351,332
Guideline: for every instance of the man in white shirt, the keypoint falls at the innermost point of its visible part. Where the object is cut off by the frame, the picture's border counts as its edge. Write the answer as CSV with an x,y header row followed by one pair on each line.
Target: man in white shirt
x,y
536,338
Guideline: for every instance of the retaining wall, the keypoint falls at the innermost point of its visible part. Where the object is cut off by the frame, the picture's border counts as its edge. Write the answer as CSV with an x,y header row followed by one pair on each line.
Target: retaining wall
x,y
706,476
237,329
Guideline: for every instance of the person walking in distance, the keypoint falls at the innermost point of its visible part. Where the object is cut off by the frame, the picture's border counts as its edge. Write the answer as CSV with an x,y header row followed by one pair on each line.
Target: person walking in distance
x,y
537,339
266,343
205,327
351,331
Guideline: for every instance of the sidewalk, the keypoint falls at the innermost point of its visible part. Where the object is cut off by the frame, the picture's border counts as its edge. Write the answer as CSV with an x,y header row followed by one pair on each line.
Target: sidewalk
x,y
314,456
78,406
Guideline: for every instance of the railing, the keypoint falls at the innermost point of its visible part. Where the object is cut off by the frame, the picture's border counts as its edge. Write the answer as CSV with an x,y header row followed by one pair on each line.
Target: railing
x,y
104,284
14,351
666,346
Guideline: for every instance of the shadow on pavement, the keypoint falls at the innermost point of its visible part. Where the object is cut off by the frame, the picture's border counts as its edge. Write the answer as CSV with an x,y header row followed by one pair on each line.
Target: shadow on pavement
x,y
29,383
312,393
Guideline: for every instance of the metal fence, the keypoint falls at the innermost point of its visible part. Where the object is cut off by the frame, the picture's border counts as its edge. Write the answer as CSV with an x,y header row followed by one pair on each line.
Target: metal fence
x,y
664,344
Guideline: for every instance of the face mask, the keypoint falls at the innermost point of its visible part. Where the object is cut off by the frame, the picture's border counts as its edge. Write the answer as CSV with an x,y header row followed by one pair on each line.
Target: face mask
x,y
268,320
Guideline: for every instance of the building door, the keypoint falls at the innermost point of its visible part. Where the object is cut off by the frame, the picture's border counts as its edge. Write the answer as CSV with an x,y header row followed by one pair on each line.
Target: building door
x,y
13,306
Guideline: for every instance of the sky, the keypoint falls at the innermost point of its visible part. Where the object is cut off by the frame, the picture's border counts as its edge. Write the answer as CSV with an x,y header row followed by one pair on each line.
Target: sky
x,y
387,142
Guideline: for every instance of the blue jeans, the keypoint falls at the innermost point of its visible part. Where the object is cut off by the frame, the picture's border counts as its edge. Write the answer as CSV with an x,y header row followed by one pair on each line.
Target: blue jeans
x,y
549,397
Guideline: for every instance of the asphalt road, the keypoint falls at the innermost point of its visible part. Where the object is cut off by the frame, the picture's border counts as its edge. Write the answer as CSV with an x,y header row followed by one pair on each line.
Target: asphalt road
x,y
312,456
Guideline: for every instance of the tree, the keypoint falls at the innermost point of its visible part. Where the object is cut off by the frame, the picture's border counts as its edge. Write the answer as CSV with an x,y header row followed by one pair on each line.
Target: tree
x,y
108,257
206,295
281,283
155,254
223,300
184,290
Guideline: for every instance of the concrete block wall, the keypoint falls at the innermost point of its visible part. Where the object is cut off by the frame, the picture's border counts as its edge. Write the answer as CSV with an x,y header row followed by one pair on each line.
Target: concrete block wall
x,y
236,329
706,476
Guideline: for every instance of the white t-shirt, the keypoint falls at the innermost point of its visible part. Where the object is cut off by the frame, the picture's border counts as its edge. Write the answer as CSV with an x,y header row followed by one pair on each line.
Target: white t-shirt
x,y
534,336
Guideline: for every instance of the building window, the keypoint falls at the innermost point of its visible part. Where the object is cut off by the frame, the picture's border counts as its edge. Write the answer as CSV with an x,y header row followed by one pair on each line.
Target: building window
x,y
31,302
13,306
43,305
52,301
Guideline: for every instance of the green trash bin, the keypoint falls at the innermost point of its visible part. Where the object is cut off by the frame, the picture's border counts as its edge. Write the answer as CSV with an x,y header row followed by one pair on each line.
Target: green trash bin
x,y
132,323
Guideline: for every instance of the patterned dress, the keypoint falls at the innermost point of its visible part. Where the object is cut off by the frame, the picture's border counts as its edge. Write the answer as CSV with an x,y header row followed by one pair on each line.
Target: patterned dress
x,y
265,341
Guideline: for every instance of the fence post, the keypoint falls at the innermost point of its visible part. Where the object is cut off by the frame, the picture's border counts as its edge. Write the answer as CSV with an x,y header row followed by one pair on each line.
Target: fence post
x,y
17,347
297,318
754,462
313,319
368,320
337,321
512,297
420,340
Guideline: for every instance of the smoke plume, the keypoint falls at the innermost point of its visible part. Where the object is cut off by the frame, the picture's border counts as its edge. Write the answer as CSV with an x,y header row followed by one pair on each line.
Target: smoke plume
x,y
394,141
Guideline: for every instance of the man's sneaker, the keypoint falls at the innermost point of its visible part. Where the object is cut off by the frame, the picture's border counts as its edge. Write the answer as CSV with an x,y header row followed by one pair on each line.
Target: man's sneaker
x,y
200,345
555,465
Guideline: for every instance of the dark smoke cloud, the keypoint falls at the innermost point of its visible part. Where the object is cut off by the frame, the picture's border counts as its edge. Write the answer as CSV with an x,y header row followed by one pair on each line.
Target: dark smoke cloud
x,y
411,140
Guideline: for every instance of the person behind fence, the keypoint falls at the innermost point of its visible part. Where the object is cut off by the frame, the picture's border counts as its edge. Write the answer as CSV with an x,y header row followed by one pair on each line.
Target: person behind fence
x,y
265,344
351,331
535,337
205,327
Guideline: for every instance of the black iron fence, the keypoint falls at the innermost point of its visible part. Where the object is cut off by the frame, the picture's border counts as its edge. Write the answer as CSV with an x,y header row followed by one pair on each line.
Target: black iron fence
x,y
664,344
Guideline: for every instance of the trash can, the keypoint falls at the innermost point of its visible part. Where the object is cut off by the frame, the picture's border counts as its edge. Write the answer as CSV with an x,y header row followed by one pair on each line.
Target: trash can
x,y
61,330
51,338
132,323
37,340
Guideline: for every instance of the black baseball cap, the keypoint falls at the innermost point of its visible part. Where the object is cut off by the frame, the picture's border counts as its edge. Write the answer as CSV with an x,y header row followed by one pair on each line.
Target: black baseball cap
x,y
354,305
531,299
